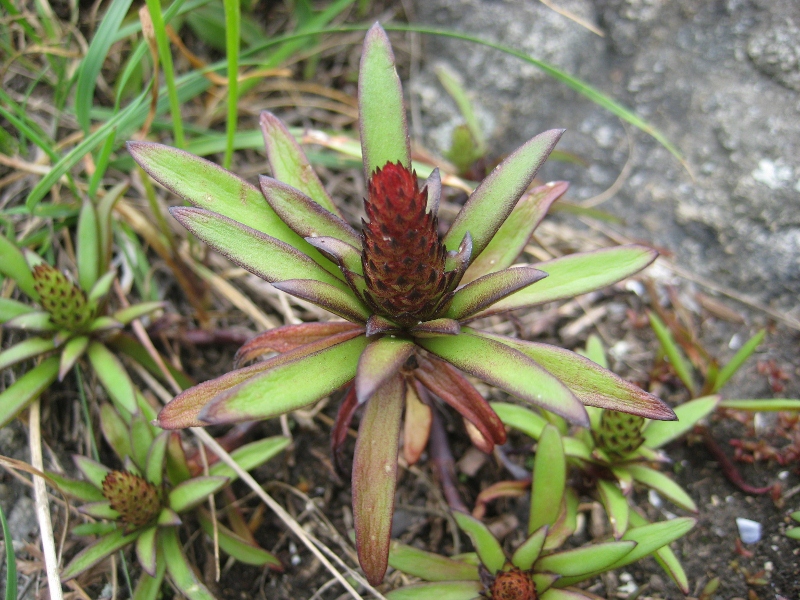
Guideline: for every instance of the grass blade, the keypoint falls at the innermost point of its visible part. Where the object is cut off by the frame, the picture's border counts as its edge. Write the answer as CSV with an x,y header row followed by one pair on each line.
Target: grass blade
x,y
738,359
11,563
676,358
233,19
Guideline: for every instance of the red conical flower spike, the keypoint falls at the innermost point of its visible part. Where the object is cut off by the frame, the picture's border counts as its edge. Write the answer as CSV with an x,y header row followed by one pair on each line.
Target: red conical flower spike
x,y
513,585
133,497
403,258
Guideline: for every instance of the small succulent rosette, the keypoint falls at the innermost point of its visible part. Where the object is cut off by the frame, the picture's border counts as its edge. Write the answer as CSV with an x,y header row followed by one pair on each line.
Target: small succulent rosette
x,y
537,569
73,319
406,294
144,503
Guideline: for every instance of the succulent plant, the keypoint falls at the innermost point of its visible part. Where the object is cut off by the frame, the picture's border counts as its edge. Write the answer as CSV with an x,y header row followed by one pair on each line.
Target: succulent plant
x,y
142,502
406,293
73,319
537,568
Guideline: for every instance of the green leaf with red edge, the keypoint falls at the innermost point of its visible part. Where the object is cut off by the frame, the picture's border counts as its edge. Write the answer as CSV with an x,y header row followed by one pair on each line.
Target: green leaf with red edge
x,y
289,337
211,187
566,524
146,550
571,594
287,386
264,256
494,199
436,327
648,538
486,545
101,549
289,163
521,418
27,388
666,558
11,308
577,274
239,548
115,431
149,588
509,241
592,384
87,253
24,350
380,361
14,266
72,351
616,505
126,315
36,321
339,252
192,492
180,571
102,286
549,479
154,469
92,470
251,455
330,297
382,115
662,484
455,389
375,476
113,376
305,216
528,552
595,558
82,490
508,369
485,291
429,565
658,433
442,590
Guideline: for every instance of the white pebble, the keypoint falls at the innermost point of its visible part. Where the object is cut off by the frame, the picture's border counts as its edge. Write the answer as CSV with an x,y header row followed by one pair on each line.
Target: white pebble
x,y
749,531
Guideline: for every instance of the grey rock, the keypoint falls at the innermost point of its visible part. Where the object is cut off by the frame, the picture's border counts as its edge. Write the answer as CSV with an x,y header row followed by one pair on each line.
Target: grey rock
x,y
717,78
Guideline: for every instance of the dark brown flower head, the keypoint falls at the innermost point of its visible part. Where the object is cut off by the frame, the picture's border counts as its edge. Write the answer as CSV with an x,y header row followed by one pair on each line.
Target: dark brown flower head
x,y
402,256
64,300
619,434
133,497
514,584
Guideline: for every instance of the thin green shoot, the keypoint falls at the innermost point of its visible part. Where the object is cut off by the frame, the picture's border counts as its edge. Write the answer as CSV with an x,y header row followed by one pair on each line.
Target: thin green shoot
x,y
459,96
86,415
738,360
11,562
233,18
676,358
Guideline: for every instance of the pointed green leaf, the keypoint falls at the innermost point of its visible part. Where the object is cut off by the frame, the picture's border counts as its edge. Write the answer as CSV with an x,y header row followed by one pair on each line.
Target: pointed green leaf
x,y
521,418
577,274
190,493
658,433
592,384
494,199
549,479
571,594
491,288
289,163
24,350
793,532
102,286
103,324
429,565
382,115
443,590
726,372
239,548
380,361
763,404
486,545
99,510
126,315
149,588
566,524
436,327
11,308
168,518
82,490
72,351
375,476
92,470
251,455
683,368
305,216
528,552
663,485
181,573
666,558
508,369
211,187
11,562
509,241
616,505
154,469
146,549
27,388
87,253
330,297
14,266
287,386
115,430
141,439
113,376
262,255
37,321
343,254
101,549
588,559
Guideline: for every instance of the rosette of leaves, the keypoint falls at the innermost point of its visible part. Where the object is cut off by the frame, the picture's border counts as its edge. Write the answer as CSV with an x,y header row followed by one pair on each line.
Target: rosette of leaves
x,y
144,503
72,319
617,451
537,568
406,293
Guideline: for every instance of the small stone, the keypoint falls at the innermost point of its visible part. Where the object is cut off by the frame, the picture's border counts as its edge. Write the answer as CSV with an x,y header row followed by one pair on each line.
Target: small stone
x,y
749,531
